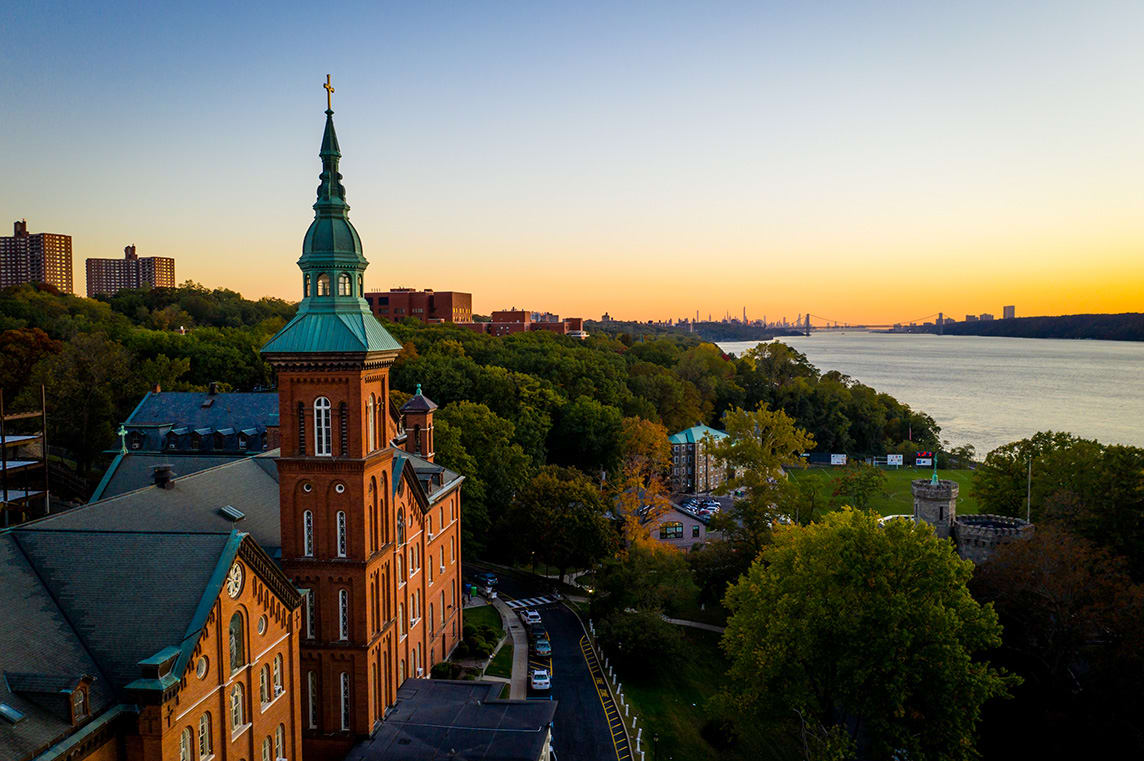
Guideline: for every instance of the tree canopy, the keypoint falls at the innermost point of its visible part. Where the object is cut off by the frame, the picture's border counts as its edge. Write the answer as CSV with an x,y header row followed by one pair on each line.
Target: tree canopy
x,y
865,629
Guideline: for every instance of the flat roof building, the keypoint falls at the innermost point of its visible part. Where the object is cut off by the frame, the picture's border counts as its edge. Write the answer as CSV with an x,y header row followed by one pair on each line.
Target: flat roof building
x,y
427,305
36,258
110,276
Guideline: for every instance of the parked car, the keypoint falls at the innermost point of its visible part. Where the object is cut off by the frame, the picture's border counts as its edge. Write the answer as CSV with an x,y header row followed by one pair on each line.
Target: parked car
x,y
542,646
531,616
487,579
537,631
540,679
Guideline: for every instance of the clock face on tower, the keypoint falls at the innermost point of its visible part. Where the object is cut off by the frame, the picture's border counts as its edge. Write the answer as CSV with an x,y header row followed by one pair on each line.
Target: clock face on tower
x,y
234,580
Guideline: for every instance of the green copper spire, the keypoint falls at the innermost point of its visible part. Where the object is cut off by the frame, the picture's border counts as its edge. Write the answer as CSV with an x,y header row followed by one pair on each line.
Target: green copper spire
x,y
333,315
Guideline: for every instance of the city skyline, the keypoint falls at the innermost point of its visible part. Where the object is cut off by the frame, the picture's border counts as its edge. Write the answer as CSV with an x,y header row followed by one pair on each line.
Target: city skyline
x,y
780,159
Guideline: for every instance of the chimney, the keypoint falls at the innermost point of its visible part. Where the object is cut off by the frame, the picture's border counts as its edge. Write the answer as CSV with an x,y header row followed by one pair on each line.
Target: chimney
x,y
213,388
158,389
163,476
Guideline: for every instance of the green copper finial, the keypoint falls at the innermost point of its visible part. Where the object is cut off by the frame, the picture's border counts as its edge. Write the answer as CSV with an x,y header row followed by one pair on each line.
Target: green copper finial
x,y
122,434
418,390
934,479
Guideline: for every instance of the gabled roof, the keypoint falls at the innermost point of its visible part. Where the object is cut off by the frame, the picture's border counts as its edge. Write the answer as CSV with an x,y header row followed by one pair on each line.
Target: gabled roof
x,y
135,470
430,480
419,403
192,504
695,434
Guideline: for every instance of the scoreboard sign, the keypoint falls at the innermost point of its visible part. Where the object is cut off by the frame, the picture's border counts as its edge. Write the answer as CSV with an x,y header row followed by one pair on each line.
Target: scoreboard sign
x,y
837,459
894,459
923,458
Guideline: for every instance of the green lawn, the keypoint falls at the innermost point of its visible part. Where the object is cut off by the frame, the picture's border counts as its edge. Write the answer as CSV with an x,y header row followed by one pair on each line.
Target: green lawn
x,y
501,664
898,500
485,614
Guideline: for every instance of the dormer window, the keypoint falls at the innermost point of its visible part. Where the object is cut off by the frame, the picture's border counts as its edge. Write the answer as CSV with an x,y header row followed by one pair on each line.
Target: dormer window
x,y
135,440
79,705
172,441
196,441
345,285
323,285
242,441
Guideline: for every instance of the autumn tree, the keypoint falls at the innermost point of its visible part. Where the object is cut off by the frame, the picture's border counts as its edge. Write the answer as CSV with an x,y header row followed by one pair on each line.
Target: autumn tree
x,y
637,487
858,484
864,629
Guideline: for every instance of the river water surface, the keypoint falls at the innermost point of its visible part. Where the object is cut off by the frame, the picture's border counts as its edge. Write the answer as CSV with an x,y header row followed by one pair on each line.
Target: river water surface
x,y
990,391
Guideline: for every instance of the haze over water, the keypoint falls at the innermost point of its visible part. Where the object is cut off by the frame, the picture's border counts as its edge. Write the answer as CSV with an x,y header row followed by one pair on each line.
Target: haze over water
x,y
990,391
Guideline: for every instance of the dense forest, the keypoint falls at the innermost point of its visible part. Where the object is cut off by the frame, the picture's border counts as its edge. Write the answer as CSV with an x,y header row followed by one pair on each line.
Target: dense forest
x,y
1128,326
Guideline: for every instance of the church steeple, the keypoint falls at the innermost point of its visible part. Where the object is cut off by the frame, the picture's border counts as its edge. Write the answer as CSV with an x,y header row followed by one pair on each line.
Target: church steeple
x,y
333,315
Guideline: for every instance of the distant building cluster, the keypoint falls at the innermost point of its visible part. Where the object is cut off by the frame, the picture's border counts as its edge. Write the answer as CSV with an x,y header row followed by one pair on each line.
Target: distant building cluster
x,y
110,276
36,258
508,321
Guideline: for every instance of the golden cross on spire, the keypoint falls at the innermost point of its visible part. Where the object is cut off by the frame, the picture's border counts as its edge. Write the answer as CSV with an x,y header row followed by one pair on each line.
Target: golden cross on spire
x,y
329,94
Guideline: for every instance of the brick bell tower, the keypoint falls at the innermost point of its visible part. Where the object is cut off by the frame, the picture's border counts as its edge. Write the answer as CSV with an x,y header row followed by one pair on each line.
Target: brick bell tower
x,y
332,361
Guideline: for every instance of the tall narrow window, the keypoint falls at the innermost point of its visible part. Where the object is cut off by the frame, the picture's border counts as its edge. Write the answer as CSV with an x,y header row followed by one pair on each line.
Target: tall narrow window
x,y
343,614
237,643
341,534
237,708
280,742
345,285
206,741
185,745
400,619
323,285
306,286
442,609
308,534
452,550
79,705
371,423
322,430
345,700
312,709
278,687
308,612
432,621
264,684
266,749
400,568
301,428
400,526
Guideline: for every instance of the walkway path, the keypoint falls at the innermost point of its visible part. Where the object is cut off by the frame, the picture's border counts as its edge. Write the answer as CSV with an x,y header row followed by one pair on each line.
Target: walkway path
x,y
518,685
696,625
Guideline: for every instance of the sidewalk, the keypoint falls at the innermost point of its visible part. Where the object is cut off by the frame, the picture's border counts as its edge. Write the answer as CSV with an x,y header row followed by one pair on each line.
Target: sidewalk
x,y
695,625
518,686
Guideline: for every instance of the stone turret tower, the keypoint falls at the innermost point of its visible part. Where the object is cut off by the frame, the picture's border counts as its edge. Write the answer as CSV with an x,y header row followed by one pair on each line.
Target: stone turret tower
x,y
935,502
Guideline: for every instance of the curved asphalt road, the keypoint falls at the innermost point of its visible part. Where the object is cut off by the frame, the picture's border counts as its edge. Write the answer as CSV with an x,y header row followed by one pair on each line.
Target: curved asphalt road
x,y
580,730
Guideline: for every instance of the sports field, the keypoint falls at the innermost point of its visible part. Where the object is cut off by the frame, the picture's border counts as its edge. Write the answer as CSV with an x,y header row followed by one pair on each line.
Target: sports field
x,y
897,499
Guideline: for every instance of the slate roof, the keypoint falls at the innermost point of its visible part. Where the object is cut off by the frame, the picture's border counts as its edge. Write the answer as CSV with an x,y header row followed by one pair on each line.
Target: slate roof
x,y
161,412
115,590
135,470
442,719
695,434
35,638
249,484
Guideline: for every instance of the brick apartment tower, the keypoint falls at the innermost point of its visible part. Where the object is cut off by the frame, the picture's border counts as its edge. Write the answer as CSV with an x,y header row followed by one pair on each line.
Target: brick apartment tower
x,y
344,491
35,258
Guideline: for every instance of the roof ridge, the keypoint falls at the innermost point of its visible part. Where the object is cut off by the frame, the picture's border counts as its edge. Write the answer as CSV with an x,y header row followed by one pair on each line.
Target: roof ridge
x,y
167,532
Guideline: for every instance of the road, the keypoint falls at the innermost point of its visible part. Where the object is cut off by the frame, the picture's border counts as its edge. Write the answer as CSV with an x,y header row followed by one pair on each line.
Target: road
x,y
581,730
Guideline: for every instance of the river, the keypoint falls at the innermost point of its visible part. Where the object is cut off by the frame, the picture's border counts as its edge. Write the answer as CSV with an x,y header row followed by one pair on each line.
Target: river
x,y
990,391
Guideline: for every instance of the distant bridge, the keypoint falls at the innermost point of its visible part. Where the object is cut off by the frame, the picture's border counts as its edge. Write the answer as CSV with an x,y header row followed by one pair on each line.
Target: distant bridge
x,y
814,322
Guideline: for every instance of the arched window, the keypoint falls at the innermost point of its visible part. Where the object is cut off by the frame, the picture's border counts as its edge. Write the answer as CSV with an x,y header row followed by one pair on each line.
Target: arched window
x,y
322,429
400,568
360,285
431,619
206,741
400,526
371,422
237,708
306,286
400,619
345,285
374,515
264,684
79,704
341,534
452,550
442,609
278,688
237,643
323,284
441,559
266,749
280,741
308,534
308,612
343,614
185,745
671,530
345,700
312,692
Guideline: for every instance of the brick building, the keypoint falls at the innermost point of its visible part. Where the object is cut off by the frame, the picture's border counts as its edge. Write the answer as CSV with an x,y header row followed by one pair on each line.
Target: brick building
x,y
38,258
110,276
426,306
693,468
508,321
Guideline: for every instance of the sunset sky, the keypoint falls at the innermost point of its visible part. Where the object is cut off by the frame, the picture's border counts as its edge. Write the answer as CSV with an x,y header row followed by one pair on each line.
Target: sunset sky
x,y
863,161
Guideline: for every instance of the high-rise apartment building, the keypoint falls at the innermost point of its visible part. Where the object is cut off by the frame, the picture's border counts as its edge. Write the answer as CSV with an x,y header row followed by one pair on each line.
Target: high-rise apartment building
x,y
38,258
110,276
1009,312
